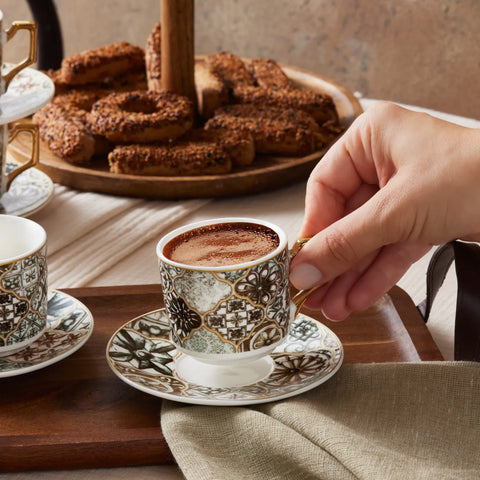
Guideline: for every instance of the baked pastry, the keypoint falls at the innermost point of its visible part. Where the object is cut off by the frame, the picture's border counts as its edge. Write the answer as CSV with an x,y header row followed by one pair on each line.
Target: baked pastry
x,y
230,69
237,144
65,133
94,66
182,158
268,74
212,92
318,105
153,59
142,116
265,83
77,104
274,130
127,82
111,98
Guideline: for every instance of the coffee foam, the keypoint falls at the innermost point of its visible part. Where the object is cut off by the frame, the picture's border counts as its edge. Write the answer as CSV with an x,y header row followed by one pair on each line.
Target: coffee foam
x,y
222,244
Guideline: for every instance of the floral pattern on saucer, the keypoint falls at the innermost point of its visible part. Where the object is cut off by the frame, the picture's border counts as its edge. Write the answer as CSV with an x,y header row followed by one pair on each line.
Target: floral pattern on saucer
x,y
69,326
29,192
141,353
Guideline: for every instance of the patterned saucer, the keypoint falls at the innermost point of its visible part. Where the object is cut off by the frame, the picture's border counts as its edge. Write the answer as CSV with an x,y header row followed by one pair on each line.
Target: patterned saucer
x,y
28,91
142,354
69,326
29,192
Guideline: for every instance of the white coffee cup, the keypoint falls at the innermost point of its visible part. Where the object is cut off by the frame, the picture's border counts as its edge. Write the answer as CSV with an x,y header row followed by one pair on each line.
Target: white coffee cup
x,y
23,283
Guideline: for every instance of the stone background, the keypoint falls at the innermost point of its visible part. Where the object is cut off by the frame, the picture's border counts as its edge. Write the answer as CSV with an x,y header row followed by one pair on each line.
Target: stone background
x,y
422,52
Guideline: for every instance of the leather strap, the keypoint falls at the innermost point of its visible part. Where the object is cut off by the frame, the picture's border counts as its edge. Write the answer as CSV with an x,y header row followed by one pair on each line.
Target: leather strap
x,y
467,319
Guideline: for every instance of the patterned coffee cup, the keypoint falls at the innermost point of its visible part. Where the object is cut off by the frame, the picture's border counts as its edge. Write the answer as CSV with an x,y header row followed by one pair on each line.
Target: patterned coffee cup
x,y
23,283
222,314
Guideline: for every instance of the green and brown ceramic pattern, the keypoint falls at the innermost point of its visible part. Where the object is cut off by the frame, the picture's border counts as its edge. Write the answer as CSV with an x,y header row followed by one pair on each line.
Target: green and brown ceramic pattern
x,y
235,311
69,326
23,299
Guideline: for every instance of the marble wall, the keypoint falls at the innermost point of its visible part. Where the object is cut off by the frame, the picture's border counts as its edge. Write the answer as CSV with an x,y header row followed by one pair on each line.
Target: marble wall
x,y
423,52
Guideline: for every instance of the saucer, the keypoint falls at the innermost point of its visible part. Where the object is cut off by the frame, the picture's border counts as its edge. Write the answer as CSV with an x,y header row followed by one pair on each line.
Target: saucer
x,y
29,192
69,326
142,354
28,91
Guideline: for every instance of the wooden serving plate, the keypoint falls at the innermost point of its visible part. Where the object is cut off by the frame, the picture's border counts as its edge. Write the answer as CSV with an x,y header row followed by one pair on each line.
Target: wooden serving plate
x,y
267,172
78,414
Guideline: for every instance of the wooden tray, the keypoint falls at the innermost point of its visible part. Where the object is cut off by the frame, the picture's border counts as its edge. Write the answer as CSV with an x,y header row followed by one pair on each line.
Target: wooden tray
x,y
78,414
266,173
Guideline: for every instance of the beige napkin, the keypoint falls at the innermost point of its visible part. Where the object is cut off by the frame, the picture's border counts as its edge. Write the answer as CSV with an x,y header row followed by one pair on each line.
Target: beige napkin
x,y
370,421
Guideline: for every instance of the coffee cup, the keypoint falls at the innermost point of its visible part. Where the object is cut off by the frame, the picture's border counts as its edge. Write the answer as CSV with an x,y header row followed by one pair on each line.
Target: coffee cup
x,y
6,36
226,289
23,283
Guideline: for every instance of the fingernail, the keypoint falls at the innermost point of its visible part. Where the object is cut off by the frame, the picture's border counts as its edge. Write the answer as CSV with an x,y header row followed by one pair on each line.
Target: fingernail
x,y
330,318
327,317
305,276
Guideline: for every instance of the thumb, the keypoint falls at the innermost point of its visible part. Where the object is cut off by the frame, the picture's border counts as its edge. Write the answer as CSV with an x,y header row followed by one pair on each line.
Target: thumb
x,y
343,244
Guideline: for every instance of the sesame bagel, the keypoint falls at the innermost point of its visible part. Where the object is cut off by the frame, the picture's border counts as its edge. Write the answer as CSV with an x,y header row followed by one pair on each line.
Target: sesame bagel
x,y
142,116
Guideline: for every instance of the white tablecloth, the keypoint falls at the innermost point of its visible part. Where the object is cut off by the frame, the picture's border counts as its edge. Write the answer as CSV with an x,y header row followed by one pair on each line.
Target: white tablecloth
x,y
96,239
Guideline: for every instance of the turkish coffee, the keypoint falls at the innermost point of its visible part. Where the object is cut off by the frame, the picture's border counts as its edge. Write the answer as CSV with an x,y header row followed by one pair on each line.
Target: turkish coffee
x,y
222,244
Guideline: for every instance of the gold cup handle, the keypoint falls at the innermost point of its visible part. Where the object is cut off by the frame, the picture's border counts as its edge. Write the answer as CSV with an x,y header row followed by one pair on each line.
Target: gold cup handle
x,y
299,297
32,54
33,130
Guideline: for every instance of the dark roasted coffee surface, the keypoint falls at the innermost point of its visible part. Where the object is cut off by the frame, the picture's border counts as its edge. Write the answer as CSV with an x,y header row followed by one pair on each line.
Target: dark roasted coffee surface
x,y
222,244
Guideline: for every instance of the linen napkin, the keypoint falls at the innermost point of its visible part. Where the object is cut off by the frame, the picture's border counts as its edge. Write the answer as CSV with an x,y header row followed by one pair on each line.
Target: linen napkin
x,y
370,421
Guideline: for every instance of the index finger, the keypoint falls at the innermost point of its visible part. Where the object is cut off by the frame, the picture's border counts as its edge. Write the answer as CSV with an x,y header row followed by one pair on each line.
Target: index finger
x,y
347,166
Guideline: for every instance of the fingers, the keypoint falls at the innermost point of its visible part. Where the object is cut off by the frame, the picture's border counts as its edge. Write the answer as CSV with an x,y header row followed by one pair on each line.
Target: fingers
x,y
326,196
349,164
353,200
369,280
333,301
353,237
378,200
388,268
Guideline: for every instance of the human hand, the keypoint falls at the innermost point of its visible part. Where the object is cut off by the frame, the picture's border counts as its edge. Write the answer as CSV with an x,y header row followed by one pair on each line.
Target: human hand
x,y
396,183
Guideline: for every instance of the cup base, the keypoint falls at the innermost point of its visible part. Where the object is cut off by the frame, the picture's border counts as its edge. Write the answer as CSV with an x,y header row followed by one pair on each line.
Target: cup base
x,y
12,349
223,376
236,359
